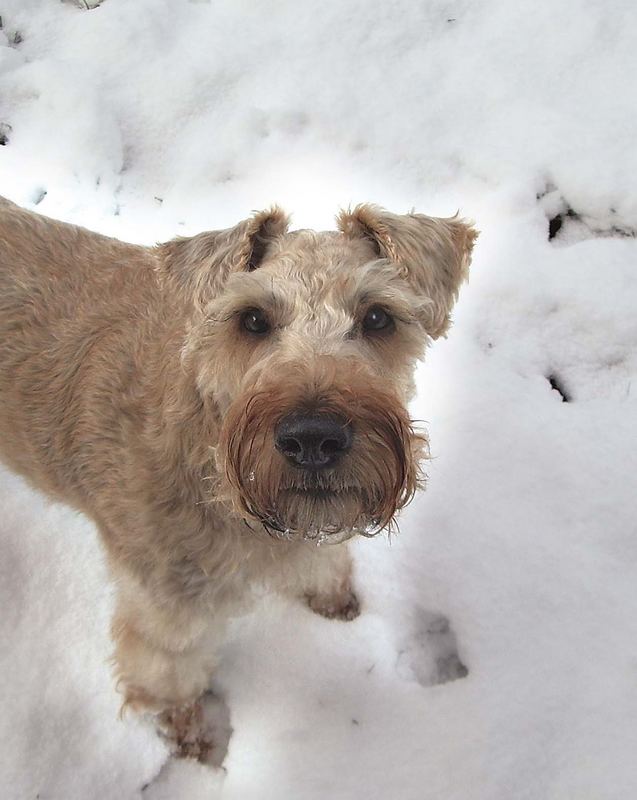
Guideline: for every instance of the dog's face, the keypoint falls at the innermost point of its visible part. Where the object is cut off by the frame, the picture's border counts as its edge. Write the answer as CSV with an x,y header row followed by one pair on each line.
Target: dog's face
x,y
307,342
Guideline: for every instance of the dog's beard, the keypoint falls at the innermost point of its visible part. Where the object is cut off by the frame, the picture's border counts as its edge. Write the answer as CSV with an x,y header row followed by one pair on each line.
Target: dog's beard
x,y
361,495
321,515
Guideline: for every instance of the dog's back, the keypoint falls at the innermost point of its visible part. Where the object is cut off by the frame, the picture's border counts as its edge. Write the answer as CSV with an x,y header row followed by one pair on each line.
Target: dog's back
x,y
65,293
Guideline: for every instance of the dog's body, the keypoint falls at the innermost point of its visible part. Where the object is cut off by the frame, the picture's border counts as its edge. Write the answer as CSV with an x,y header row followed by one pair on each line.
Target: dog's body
x,y
173,395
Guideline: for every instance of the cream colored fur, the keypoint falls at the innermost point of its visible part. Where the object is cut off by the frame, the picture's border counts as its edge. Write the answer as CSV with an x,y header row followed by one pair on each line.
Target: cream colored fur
x,y
124,380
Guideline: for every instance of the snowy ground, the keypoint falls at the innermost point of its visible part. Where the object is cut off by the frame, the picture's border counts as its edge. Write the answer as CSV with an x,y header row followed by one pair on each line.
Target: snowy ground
x,y
149,118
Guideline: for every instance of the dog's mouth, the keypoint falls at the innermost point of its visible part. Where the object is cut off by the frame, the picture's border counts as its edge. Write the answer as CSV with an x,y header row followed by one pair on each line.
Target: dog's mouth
x,y
321,515
317,493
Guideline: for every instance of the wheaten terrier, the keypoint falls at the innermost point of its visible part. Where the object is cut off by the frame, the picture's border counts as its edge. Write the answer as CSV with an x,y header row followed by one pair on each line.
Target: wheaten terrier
x,y
219,406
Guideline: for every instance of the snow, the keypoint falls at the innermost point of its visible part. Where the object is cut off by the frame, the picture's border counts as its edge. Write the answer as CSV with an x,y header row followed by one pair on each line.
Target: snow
x,y
519,562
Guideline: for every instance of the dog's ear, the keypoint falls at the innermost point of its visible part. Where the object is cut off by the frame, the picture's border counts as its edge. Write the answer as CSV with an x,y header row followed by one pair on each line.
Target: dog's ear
x,y
200,264
432,253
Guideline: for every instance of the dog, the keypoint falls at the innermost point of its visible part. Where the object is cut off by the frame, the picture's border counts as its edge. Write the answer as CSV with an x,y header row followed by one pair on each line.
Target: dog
x,y
220,406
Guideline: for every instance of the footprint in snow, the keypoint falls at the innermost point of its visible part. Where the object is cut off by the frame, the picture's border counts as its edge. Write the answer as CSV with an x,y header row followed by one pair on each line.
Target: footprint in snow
x,y
430,654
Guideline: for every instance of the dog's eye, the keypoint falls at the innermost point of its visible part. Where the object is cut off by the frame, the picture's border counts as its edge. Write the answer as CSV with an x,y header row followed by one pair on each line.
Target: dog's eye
x,y
377,319
255,321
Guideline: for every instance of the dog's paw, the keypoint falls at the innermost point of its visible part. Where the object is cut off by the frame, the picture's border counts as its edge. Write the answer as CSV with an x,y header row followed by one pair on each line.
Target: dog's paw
x,y
199,730
343,606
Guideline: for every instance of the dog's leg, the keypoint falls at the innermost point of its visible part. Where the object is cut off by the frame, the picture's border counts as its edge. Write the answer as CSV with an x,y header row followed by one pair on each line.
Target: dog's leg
x,y
328,583
155,674
164,659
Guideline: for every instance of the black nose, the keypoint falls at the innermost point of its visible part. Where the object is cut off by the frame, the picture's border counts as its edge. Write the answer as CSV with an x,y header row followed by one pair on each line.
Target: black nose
x,y
313,441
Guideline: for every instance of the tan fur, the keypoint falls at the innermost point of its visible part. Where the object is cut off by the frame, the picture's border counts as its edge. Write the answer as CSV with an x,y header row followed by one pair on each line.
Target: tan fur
x,y
130,390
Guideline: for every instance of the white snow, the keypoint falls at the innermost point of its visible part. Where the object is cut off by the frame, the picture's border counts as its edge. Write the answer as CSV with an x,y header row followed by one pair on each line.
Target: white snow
x,y
150,118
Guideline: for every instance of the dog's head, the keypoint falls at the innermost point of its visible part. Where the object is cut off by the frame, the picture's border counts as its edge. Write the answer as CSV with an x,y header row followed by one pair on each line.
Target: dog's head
x,y
307,342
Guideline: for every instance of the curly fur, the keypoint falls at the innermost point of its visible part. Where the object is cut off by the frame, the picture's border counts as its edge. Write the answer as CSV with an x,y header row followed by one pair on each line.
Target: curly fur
x,y
130,390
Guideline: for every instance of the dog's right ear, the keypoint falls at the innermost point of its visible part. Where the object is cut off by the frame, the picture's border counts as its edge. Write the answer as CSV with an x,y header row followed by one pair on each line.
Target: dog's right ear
x,y
199,265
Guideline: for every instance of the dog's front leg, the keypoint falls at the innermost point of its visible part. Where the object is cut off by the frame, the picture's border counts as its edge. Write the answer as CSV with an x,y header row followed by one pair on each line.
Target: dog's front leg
x,y
328,583
164,659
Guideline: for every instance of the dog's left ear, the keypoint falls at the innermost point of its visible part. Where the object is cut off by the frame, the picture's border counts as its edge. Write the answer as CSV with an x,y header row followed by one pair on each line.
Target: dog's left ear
x,y
201,264
433,253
